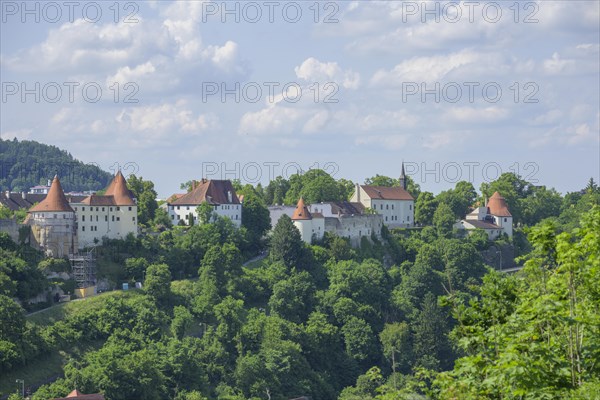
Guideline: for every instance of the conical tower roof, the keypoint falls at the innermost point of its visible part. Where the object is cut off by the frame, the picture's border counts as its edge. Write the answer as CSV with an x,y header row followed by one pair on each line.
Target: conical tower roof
x,y
118,189
301,212
55,199
497,206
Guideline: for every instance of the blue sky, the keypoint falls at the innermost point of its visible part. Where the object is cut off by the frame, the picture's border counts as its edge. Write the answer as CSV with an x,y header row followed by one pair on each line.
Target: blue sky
x,y
458,90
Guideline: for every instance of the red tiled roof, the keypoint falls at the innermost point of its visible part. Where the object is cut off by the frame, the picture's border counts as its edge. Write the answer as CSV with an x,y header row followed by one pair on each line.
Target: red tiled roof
x,y
54,201
347,207
387,193
481,224
118,189
175,196
77,395
497,206
95,200
212,191
301,212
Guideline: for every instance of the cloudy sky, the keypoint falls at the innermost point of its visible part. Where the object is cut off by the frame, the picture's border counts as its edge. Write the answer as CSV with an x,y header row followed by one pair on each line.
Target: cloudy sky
x,y
251,90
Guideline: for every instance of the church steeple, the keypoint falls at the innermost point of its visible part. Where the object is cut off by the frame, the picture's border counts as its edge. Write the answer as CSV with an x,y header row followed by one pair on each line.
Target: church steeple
x,y
403,177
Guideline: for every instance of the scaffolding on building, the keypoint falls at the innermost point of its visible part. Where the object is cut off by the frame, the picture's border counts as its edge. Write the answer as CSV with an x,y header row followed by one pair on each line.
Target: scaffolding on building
x,y
84,268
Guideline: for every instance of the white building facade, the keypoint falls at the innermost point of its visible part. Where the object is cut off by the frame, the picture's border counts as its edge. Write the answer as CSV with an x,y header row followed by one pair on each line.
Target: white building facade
x,y
220,194
112,215
394,204
344,219
495,218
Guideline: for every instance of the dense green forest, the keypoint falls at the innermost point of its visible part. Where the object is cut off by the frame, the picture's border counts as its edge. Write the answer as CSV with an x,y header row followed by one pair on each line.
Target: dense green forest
x,y
412,314
25,163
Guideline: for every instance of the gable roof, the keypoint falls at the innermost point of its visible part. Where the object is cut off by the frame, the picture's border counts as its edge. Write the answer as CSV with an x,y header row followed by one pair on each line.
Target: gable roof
x,y
95,200
119,190
497,206
212,191
347,207
480,224
17,201
386,193
301,212
55,199
77,395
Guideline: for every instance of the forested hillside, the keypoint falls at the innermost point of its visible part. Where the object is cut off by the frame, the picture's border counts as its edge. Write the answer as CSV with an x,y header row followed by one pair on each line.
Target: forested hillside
x,y
413,314
24,164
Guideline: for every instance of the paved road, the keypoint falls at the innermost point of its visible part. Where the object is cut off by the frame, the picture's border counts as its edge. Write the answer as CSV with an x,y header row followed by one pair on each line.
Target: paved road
x,y
259,257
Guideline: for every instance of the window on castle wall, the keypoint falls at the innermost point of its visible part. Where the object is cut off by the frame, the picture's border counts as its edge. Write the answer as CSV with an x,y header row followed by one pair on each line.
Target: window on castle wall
x,y
118,208
83,218
129,208
96,208
118,218
83,228
102,208
106,218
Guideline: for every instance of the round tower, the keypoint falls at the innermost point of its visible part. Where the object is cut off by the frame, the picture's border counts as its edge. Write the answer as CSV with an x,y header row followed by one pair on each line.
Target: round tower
x,y
53,223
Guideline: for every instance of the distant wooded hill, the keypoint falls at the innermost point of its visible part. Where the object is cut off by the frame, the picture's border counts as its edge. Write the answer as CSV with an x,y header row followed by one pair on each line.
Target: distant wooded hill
x,y
24,164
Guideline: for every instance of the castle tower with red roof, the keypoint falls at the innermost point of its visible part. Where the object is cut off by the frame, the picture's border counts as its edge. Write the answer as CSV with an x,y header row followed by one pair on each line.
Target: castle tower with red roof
x,y
53,223
498,209
310,225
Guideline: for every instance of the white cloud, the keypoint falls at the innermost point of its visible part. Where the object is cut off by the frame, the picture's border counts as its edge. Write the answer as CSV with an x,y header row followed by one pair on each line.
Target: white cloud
x,y
165,120
475,115
438,140
313,70
396,141
425,69
127,74
549,117
556,65
274,119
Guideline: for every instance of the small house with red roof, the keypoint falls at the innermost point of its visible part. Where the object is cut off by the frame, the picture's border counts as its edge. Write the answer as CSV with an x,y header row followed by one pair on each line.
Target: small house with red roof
x,y
495,218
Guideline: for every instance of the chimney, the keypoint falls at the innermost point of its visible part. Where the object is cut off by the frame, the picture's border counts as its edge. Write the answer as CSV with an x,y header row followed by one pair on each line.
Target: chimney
x,y
8,194
229,196
49,182
24,195
357,192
